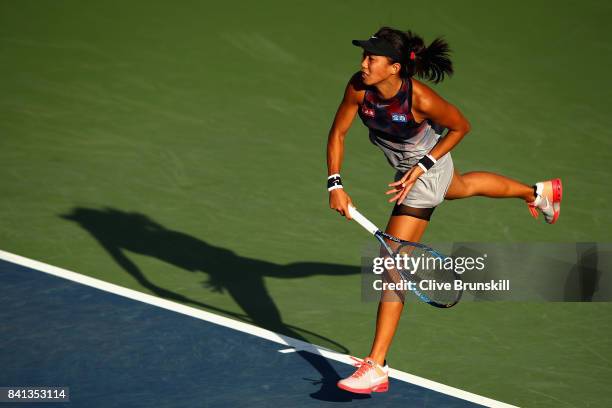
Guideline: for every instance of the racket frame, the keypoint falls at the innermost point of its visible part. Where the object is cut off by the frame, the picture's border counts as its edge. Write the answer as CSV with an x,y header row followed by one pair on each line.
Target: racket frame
x,y
382,236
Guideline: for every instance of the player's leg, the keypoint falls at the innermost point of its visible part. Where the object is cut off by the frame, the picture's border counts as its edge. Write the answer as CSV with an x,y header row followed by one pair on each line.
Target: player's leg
x,y
409,229
544,196
372,375
483,183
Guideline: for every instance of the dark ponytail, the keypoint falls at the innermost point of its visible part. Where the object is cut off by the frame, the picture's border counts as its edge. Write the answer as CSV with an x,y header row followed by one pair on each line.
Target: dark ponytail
x,y
427,62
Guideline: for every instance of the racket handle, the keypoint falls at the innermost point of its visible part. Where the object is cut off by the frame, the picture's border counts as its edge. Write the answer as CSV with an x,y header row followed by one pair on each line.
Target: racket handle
x,y
363,221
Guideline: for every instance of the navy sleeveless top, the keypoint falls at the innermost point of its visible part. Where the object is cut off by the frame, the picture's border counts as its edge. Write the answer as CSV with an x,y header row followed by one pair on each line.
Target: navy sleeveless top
x,y
393,127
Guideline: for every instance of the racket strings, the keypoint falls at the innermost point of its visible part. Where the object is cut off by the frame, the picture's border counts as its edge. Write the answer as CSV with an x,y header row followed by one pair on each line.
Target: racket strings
x,y
431,274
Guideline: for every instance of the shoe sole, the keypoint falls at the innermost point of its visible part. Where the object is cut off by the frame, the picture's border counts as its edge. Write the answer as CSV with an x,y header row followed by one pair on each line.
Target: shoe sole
x,y
557,190
384,387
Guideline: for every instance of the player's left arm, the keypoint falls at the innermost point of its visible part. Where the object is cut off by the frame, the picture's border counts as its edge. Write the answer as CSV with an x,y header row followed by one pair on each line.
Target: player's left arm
x,y
428,104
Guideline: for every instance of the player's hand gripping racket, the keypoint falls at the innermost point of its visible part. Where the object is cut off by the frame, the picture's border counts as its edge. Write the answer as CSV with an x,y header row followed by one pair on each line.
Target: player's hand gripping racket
x,y
440,289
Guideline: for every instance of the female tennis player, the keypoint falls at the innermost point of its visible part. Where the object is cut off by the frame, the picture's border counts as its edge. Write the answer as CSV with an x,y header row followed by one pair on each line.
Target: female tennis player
x,y
406,119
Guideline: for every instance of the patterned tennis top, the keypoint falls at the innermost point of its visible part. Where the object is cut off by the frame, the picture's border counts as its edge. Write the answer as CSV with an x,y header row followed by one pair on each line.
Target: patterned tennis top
x,y
393,127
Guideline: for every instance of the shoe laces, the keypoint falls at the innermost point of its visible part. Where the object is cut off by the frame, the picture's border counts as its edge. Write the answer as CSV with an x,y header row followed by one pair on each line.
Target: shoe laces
x,y
542,205
363,366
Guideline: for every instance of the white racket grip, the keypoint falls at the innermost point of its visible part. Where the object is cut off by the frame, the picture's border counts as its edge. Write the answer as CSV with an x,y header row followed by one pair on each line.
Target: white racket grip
x,y
363,221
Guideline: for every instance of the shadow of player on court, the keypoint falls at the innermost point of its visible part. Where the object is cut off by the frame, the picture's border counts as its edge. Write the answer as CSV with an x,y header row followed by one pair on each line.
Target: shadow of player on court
x,y
582,282
241,277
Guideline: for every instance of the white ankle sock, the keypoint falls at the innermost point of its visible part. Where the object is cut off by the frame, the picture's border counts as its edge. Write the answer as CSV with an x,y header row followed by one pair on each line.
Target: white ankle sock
x,y
539,187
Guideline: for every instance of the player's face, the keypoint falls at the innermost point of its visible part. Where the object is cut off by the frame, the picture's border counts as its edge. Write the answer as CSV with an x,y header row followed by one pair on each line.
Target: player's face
x,y
376,68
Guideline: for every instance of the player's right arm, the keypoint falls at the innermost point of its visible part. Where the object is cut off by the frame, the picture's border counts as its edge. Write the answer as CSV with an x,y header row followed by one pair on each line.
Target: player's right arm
x,y
338,198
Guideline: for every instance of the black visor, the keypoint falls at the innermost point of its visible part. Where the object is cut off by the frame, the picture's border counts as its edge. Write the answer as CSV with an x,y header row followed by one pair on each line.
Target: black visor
x,y
377,46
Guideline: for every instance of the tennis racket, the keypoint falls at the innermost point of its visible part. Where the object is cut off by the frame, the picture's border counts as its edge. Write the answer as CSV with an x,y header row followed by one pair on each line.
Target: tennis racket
x,y
438,288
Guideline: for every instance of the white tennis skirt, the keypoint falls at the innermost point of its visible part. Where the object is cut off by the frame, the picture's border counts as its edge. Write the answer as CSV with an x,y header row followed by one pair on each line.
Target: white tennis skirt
x,y
430,189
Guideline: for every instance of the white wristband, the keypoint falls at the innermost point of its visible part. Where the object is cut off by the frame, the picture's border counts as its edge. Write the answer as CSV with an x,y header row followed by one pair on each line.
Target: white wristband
x,y
334,182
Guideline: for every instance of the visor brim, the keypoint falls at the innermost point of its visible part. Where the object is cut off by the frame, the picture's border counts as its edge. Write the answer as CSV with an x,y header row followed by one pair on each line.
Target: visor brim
x,y
374,48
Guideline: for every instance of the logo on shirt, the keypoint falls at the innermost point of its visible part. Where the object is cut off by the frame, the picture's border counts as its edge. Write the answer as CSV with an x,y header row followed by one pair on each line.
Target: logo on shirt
x,y
367,111
399,117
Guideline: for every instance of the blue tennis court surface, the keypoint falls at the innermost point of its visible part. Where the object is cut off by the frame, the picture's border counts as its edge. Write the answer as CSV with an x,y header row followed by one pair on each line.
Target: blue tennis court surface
x,y
113,351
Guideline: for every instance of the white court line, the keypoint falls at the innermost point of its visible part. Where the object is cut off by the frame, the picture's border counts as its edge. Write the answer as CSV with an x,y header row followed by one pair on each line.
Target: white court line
x,y
296,344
